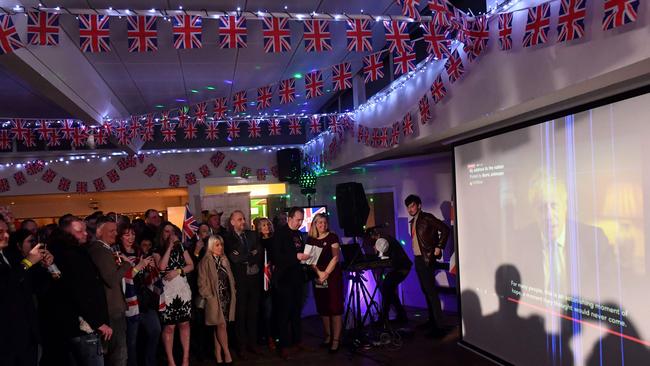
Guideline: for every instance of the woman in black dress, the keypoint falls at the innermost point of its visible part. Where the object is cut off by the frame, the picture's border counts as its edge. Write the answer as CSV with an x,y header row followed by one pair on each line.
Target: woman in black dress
x,y
264,228
328,285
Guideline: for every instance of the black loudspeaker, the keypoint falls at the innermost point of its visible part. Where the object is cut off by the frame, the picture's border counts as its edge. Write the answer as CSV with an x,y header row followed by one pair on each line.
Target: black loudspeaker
x,y
352,208
289,165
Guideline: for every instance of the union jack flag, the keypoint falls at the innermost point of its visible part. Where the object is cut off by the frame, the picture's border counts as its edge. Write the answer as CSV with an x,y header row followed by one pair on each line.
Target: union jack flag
x,y
404,62
477,36
82,187
187,31
254,129
94,35
9,39
148,130
204,170
274,127
438,90
79,136
571,21
264,95
169,134
174,181
20,178
220,108
407,124
189,223
287,91
182,117
441,12
190,178
230,166
505,31
425,109
277,35
217,158
64,184
134,128
67,129
101,137
232,32
310,213
44,130
261,174
373,67
334,125
538,25
454,67
619,12
19,129
397,36
42,28
233,129
437,42
314,124
99,184
142,33
30,139
239,101
190,130
394,135
113,176
383,137
295,128
212,131
200,112
48,176
165,122
5,140
362,133
121,134
342,76
359,35
410,8
376,137
313,84
317,36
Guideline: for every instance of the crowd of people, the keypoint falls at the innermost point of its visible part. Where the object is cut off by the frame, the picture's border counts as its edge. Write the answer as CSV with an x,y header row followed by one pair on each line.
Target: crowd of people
x,y
108,290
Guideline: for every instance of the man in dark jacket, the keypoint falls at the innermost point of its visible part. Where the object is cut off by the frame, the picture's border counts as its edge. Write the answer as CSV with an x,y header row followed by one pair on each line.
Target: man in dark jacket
x,y
244,251
429,237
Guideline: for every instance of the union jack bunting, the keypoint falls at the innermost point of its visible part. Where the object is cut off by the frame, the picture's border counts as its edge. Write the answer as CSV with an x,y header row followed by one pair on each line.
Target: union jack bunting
x,y
232,32
317,36
375,139
245,172
190,130
182,117
35,167
212,131
359,35
394,135
537,25
165,122
174,180
187,31
204,170
42,28
441,12
254,129
113,176
81,187
407,124
274,127
64,184
44,130
314,124
287,91
5,140
190,178
619,12
397,36
99,184
277,35
20,178
230,166
295,128
334,125
410,8
101,135
437,42
94,35
220,108
425,109
313,84
505,31
79,137
217,159
134,128
261,175
571,20
404,62
142,33
477,36
264,95
383,137
4,185
200,112
373,67
438,90
239,101
454,67
148,130
48,176
19,129
67,129
169,134
121,133
233,130
342,76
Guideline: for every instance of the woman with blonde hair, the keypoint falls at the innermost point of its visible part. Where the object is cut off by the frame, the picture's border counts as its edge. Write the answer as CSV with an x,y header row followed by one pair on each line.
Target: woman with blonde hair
x,y
217,285
328,285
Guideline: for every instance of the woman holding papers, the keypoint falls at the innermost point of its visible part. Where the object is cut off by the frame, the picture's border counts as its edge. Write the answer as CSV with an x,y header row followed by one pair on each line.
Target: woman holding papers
x,y
323,246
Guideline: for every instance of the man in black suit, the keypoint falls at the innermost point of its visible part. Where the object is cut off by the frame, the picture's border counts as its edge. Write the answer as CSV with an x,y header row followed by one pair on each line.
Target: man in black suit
x,y
244,251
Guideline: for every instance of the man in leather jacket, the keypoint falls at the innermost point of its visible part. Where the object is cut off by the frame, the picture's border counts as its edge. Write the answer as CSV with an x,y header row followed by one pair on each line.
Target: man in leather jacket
x,y
429,236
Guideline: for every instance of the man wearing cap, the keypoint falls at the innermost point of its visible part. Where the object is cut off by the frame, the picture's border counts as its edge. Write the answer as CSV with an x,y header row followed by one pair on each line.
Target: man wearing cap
x,y
214,221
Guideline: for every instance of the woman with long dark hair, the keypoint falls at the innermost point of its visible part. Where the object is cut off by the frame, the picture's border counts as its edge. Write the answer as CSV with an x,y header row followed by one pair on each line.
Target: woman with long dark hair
x,y
264,228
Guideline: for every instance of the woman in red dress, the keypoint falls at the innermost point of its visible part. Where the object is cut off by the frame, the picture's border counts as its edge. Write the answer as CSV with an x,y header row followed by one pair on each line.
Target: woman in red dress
x,y
328,285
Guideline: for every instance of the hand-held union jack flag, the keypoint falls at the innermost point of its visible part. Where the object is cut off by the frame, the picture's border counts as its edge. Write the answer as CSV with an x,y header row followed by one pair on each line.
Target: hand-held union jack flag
x,y
239,101
317,36
94,35
313,84
397,36
232,32
277,35
187,31
571,20
505,31
538,25
373,67
189,225
142,33
619,12
342,76
287,91
359,35
454,67
42,28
